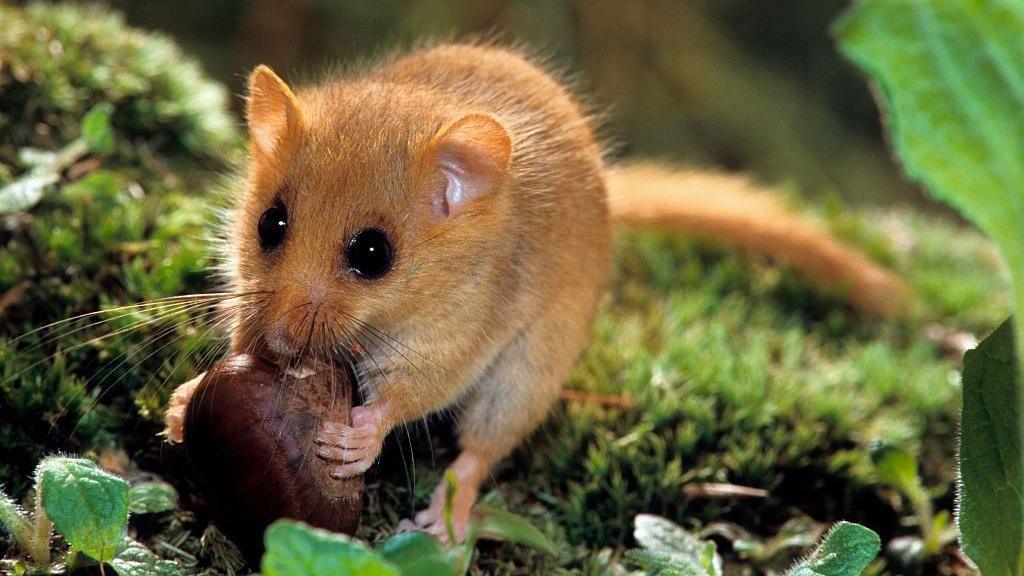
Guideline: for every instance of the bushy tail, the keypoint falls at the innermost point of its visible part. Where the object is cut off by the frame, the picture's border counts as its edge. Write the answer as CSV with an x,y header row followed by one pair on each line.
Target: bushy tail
x,y
730,210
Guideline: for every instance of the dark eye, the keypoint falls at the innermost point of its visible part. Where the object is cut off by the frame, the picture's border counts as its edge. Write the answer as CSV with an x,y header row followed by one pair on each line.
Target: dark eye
x,y
369,253
272,226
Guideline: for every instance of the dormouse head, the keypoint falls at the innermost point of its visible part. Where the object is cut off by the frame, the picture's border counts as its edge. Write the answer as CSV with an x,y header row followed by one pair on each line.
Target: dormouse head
x,y
366,211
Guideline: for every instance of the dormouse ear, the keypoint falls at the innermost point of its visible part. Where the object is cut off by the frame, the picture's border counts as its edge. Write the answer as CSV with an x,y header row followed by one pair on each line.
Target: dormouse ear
x,y
473,153
275,120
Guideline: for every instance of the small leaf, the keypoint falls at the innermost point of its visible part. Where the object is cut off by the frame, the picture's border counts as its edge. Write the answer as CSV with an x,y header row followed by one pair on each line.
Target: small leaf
x,y
668,546
991,508
152,497
416,554
25,192
489,523
295,549
137,560
87,505
663,563
96,129
895,467
846,551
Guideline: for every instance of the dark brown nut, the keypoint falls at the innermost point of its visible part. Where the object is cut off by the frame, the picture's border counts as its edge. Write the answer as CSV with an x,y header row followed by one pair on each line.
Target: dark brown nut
x,y
249,436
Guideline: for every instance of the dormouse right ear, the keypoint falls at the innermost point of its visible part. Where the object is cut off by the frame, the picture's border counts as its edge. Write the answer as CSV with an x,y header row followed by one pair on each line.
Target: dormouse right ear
x,y
273,113
473,153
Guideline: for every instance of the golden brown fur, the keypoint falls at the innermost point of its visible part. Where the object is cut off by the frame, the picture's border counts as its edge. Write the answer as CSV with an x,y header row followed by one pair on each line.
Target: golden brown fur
x,y
489,300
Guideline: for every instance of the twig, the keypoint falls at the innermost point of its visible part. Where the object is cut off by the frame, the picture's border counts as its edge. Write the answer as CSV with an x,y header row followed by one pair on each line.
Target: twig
x,y
583,397
722,491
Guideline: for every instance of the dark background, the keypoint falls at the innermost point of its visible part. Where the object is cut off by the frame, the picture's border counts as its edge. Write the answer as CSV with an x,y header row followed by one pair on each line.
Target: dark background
x,y
734,84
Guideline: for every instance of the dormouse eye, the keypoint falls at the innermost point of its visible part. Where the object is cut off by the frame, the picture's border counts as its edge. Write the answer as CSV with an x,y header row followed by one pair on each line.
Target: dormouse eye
x,y
369,254
272,226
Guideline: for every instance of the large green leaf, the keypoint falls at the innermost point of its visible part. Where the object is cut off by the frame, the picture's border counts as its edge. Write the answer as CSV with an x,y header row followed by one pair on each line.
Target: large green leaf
x,y
846,551
991,477
951,79
295,549
88,506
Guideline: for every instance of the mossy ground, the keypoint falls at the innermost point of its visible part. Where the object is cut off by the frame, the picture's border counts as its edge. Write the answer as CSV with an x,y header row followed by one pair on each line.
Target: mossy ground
x,y
704,366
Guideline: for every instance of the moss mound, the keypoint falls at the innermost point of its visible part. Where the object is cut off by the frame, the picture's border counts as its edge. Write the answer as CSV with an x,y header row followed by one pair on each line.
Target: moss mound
x,y
117,227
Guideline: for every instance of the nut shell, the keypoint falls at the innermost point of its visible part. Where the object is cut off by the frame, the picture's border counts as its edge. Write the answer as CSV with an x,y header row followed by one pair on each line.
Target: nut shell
x,y
249,436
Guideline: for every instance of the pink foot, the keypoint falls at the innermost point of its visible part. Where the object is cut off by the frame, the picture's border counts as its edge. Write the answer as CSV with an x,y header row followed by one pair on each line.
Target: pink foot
x,y
470,470
355,448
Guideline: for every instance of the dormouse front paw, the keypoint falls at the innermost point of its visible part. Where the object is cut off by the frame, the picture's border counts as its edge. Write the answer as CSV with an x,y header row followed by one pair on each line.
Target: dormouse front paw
x,y
354,447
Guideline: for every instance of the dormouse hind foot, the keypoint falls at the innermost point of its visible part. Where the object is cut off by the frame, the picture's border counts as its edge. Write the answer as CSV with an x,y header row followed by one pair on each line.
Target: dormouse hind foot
x,y
470,469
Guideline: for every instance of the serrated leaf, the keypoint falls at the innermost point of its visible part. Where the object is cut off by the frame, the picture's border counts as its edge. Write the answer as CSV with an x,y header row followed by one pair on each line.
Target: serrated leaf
x,y
846,550
137,560
96,129
416,554
152,497
490,523
87,505
951,79
295,549
991,511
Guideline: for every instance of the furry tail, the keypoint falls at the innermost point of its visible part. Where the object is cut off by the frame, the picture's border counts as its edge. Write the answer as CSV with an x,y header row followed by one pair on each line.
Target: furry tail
x,y
730,210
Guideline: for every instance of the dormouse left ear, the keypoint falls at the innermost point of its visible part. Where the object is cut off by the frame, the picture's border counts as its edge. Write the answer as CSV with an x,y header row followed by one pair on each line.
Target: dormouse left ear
x,y
274,116
473,153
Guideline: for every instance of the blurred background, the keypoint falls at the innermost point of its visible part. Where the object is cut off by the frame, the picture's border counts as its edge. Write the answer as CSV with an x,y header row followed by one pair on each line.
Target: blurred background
x,y
740,85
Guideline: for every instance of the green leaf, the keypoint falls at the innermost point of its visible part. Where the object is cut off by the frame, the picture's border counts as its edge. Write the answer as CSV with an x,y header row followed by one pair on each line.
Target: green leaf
x,y
416,554
991,477
667,546
951,79
490,523
152,497
137,560
96,129
87,505
846,551
895,467
295,549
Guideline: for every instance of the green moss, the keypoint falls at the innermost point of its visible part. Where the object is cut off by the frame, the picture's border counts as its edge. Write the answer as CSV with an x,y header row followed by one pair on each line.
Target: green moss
x,y
118,228
59,61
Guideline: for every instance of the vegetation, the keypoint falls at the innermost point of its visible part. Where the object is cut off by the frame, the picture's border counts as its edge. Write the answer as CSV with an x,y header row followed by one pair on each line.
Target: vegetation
x,y
920,54
719,391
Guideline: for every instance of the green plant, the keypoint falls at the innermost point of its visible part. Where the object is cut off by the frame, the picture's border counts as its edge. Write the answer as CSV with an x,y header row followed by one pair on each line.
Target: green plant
x,y
991,513
89,508
666,549
898,468
951,74
294,549
846,550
